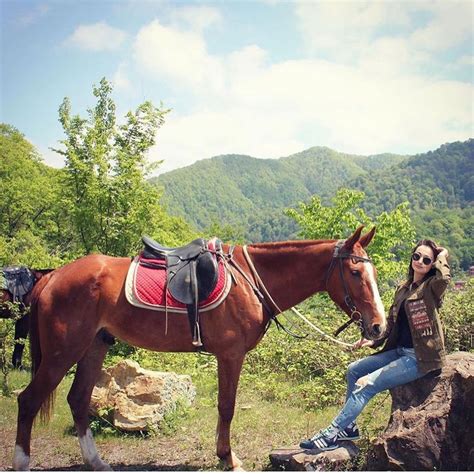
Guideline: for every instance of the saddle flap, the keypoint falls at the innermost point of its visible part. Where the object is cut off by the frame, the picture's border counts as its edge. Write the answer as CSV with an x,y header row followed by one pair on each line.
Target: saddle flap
x,y
184,276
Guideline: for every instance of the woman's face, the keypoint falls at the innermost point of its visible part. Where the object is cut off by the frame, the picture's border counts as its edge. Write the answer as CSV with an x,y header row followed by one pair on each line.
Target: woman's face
x,y
422,260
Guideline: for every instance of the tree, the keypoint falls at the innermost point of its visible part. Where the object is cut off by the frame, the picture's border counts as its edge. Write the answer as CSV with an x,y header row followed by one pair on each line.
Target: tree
x,y
392,243
32,230
111,202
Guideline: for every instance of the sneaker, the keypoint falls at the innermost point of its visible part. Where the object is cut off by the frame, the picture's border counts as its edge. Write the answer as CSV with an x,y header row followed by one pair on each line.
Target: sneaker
x,y
320,441
349,434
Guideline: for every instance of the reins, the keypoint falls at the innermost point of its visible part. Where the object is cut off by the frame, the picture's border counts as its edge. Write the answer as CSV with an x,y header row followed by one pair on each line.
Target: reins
x,y
264,295
355,316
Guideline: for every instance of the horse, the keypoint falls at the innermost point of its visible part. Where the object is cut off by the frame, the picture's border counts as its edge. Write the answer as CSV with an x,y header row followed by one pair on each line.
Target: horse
x,y
22,324
76,307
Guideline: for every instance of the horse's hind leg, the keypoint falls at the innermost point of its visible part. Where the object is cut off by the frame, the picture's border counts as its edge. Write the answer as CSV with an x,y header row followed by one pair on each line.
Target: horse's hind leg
x,y
228,373
87,374
45,381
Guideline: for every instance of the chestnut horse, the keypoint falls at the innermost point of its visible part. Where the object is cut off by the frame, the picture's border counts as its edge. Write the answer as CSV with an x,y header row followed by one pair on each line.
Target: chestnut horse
x,y
78,305
22,325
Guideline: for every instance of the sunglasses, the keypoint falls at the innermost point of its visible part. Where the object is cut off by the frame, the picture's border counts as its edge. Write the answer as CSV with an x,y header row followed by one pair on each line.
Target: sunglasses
x,y
426,260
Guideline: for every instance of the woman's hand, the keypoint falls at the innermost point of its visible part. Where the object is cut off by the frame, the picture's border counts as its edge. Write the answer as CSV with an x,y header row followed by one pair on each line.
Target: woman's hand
x,y
362,343
443,251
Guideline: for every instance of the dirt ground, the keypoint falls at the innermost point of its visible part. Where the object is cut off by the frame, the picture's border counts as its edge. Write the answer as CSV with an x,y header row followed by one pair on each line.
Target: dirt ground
x,y
52,453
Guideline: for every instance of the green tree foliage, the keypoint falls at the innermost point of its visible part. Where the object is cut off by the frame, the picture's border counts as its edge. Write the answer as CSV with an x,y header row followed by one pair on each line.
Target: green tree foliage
x,y
392,242
433,180
457,314
227,233
453,228
33,230
111,203
250,193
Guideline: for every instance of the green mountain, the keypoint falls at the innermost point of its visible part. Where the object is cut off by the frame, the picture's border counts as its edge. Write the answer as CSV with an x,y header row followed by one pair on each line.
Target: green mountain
x,y
249,193
443,178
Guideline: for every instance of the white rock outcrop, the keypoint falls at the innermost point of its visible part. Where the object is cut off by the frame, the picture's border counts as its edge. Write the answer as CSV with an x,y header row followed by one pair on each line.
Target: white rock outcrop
x,y
137,399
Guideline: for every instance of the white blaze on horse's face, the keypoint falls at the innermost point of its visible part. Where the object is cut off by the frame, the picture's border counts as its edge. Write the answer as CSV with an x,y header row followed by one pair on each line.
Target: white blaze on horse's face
x,y
376,295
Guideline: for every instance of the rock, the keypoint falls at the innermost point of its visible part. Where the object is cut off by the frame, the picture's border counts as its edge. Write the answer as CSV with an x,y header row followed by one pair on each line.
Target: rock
x,y
297,459
432,422
139,398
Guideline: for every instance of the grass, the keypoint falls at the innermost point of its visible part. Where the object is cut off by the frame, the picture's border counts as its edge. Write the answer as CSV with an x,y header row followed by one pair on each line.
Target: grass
x,y
188,439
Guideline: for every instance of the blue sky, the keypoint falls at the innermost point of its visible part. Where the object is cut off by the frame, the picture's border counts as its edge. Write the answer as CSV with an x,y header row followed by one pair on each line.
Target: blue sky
x,y
264,78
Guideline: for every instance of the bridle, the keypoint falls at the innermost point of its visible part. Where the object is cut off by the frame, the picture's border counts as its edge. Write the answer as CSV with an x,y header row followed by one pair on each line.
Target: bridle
x,y
268,302
355,316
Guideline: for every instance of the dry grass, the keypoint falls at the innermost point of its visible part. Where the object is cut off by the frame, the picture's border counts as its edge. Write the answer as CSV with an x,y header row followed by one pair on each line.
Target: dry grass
x,y
258,427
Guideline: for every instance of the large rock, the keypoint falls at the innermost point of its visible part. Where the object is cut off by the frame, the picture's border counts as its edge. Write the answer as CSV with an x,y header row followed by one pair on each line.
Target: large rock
x,y
297,459
139,398
432,422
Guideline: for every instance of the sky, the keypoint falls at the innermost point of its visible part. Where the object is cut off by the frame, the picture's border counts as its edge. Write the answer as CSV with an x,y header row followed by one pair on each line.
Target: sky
x,y
263,78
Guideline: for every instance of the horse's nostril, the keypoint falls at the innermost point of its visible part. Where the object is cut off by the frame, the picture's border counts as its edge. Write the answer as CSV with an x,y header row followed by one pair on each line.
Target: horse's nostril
x,y
376,329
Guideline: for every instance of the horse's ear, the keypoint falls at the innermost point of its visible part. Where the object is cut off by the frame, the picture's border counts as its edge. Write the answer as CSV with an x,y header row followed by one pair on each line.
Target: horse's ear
x,y
367,238
351,241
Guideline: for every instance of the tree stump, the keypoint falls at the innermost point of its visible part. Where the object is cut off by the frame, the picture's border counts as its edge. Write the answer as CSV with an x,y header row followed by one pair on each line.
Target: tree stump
x,y
432,422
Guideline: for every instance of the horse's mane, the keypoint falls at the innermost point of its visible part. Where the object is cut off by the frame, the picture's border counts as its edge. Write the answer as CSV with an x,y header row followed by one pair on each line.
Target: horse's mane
x,y
289,244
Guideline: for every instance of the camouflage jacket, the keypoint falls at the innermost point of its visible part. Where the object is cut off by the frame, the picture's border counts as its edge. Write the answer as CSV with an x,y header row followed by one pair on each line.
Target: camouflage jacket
x,y
422,308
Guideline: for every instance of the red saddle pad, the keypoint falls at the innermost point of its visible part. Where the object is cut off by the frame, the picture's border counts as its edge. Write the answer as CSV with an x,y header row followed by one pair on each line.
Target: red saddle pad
x,y
149,287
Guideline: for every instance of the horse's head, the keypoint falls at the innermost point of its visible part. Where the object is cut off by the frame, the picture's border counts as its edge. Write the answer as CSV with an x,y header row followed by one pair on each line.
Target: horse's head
x,y
352,284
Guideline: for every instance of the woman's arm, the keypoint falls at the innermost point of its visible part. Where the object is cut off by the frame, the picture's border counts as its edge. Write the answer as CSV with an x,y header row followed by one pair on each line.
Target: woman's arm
x,y
440,281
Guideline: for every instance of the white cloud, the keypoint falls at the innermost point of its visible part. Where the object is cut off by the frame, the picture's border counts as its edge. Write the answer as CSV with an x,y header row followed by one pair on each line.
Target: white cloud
x,y
244,104
451,24
346,28
466,60
121,80
203,134
96,37
50,157
180,56
33,15
196,17
374,97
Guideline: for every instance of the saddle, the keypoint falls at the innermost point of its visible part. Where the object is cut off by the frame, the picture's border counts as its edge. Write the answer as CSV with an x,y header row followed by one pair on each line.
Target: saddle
x,y
18,281
191,273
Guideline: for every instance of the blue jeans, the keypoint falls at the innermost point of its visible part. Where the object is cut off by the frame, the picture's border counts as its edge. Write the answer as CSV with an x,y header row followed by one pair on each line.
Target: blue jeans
x,y
386,370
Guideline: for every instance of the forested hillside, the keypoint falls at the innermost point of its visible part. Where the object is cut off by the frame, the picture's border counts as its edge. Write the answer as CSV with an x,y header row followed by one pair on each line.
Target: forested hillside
x,y
437,179
250,194
439,185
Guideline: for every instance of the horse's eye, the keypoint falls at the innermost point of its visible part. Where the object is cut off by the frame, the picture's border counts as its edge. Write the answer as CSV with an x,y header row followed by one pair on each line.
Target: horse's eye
x,y
356,273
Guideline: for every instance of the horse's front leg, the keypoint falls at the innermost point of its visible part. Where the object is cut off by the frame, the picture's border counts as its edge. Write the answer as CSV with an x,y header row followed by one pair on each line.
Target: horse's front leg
x,y
229,368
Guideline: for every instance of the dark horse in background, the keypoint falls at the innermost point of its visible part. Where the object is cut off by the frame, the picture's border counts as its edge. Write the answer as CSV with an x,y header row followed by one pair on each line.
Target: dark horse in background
x,y
16,285
75,307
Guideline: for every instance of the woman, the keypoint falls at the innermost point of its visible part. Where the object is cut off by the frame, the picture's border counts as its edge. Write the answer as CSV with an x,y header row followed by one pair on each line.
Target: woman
x,y
414,344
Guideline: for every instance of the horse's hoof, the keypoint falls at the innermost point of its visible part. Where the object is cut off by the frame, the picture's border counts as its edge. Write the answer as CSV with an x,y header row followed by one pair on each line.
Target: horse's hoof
x,y
232,463
105,467
101,466
21,462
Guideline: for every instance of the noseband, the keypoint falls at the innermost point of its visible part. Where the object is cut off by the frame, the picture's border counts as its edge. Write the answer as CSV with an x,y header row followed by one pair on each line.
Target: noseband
x,y
356,316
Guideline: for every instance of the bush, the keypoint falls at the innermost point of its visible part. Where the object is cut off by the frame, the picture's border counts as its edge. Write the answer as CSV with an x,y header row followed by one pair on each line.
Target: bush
x,y
457,314
7,342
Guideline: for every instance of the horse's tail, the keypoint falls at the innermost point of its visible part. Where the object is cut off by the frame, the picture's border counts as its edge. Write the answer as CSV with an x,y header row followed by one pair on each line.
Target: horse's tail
x,y
35,346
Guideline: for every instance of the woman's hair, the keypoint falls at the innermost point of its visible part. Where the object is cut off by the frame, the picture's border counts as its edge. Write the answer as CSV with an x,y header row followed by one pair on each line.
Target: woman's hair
x,y
436,251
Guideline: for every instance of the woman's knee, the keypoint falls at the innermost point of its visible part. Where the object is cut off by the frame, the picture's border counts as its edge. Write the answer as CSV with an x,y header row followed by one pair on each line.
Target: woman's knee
x,y
353,370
